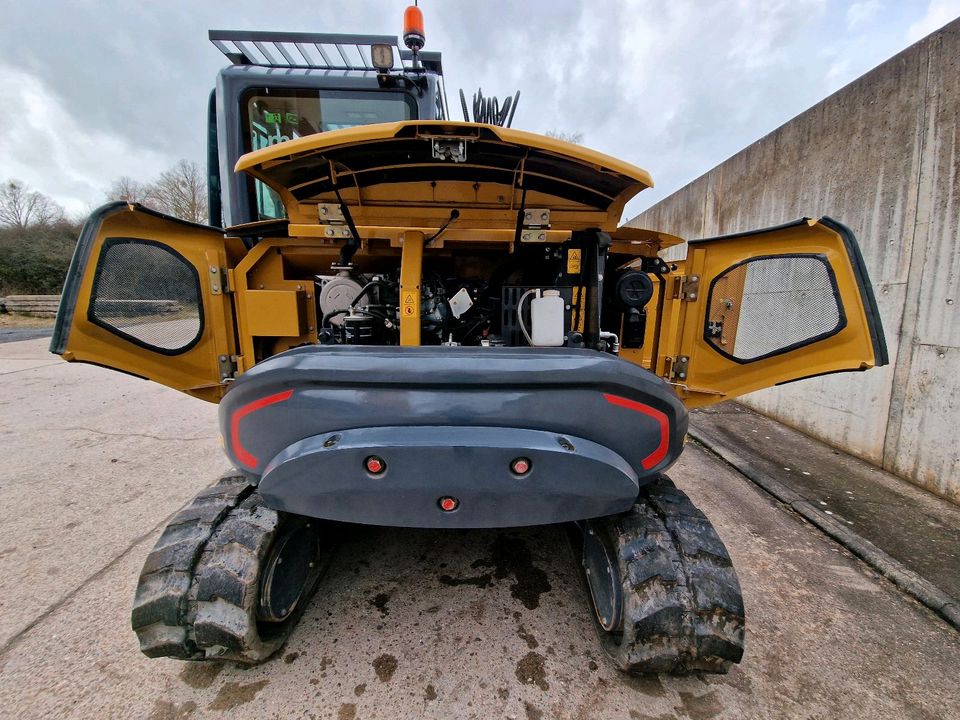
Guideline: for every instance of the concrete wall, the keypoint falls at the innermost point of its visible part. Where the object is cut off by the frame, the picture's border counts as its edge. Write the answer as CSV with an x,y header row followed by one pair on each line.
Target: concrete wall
x,y
881,155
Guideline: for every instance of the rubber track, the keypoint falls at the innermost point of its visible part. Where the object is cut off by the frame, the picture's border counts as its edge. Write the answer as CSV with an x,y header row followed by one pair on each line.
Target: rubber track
x,y
227,587
161,606
682,606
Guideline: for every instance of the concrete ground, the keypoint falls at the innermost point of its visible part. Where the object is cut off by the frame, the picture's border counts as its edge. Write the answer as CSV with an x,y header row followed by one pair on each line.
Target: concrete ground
x,y
915,527
407,623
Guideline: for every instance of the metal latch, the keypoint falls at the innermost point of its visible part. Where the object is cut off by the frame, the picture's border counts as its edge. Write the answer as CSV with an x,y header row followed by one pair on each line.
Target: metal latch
x,y
679,367
689,288
228,367
332,221
449,149
535,223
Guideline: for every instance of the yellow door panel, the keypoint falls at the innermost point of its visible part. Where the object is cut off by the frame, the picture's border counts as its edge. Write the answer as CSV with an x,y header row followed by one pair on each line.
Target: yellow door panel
x,y
146,294
768,307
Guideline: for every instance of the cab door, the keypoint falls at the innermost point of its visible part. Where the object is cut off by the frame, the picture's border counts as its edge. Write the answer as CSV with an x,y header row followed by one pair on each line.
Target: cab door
x,y
764,308
147,294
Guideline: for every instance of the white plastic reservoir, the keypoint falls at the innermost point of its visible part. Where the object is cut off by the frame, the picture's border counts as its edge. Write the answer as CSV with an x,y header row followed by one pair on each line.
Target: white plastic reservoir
x,y
546,319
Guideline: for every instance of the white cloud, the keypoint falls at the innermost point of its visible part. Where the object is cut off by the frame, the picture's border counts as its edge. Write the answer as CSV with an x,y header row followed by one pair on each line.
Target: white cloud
x,y
43,145
939,13
862,13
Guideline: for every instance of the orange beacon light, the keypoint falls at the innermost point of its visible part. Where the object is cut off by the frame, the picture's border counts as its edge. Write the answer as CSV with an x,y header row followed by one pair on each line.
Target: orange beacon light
x,y
413,35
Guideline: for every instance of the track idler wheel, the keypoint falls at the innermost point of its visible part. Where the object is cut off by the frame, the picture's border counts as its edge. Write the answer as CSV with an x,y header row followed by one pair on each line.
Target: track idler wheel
x,y
664,591
238,581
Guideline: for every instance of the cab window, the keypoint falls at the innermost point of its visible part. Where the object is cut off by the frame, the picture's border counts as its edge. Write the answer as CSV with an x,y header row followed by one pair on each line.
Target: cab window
x,y
273,116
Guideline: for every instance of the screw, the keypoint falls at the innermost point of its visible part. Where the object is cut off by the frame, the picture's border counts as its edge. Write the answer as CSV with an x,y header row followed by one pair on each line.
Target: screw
x,y
216,288
541,236
544,216
299,287
213,270
329,232
693,296
323,211
223,358
694,278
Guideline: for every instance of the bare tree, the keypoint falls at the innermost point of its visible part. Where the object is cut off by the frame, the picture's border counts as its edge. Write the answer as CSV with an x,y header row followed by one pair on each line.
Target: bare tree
x,y
181,191
571,137
128,189
22,208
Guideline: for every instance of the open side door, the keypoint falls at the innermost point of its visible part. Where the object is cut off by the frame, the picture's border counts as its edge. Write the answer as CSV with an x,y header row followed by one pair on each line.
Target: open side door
x,y
146,294
768,307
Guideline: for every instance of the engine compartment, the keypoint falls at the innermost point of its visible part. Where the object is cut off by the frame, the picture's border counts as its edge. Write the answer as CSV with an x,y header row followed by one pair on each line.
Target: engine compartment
x,y
540,296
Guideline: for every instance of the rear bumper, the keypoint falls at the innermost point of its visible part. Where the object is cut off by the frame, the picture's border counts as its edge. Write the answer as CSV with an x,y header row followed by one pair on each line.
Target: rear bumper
x,y
569,478
448,421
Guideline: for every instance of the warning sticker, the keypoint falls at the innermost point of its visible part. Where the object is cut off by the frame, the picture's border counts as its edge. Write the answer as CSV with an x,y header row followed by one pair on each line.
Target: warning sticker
x,y
573,261
410,303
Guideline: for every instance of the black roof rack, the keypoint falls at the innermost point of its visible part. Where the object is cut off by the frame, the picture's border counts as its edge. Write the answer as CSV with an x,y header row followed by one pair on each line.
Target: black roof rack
x,y
314,51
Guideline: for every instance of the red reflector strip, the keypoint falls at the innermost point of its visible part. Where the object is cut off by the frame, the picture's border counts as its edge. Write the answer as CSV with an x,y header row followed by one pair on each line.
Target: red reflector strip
x,y
242,454
660,453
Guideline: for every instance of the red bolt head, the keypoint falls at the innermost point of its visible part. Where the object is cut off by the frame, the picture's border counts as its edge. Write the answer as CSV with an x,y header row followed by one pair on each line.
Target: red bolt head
x,y
374,465
520,466
449,504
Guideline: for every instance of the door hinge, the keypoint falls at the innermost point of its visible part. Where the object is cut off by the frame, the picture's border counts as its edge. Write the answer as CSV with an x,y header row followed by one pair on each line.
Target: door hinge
x,y
218,280
535,222
332,221
679,367
228,367
688,288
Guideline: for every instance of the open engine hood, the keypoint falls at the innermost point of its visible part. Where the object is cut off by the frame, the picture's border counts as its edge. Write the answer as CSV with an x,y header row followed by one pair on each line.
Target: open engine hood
x,y
412,174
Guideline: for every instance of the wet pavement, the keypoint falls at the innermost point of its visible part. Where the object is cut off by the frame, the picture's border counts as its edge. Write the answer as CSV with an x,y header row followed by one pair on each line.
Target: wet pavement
x,y
407,623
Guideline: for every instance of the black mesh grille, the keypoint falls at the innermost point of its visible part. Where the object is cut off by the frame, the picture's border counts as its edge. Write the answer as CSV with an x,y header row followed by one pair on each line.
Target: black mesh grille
x,y
148,293
786,301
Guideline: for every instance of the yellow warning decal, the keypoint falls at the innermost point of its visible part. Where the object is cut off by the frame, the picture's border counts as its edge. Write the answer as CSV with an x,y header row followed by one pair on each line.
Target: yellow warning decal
x,y
573,261
410,303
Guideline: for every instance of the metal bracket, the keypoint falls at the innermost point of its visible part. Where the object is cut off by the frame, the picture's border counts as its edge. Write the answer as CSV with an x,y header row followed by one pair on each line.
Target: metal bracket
x,y
331,214
654,265
689,288
444,149
228,367
536,218
679,367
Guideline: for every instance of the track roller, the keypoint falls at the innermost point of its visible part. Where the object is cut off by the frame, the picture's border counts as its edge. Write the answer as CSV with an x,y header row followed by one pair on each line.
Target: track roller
x,y
228,578
664,591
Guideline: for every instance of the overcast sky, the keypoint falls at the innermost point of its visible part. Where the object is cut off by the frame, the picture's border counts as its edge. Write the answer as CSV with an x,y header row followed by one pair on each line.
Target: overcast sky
x,y
95,90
